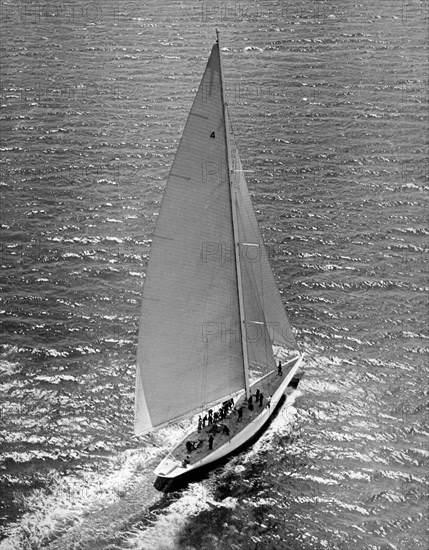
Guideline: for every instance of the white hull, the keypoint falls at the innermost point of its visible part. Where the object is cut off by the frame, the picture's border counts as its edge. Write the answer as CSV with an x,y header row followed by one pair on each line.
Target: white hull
x,y
171,468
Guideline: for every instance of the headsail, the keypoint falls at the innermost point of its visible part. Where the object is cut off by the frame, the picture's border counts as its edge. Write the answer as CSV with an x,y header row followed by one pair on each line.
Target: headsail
x,y
265,315
188,352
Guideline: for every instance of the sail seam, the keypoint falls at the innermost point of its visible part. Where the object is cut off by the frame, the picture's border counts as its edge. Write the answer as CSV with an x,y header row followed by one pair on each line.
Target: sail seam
x,y
201,116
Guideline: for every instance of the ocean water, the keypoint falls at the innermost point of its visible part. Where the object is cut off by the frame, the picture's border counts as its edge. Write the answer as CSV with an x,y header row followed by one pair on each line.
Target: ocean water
x,y
329,103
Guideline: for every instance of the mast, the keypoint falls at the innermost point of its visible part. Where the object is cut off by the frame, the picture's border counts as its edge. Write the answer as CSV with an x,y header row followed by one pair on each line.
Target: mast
x,y
235,234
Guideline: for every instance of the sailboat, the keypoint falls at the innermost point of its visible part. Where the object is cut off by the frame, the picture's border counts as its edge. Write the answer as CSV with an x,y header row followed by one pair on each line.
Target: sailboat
x,y
214,337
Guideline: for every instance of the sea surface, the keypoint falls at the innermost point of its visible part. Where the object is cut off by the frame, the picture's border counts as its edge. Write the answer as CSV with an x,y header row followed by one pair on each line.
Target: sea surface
x,y
329,101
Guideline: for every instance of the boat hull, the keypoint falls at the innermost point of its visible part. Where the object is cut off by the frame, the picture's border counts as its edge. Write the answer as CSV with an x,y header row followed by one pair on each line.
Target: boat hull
x,y
171,469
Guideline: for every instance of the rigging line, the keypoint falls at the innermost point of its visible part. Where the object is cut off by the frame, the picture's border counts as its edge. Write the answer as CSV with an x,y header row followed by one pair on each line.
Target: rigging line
x,y
204,378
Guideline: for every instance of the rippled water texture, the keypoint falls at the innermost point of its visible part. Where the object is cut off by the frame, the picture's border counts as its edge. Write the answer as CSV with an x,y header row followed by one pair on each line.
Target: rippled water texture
x,y
329,103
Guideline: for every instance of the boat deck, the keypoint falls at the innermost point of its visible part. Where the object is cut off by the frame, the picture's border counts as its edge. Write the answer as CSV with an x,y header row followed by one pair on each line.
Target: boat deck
x,y
267,386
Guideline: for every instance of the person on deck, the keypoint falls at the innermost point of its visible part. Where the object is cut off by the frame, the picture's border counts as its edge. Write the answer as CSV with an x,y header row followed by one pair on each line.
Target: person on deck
x,y
280,369
214,429
261,398
228,405
211,439
258,391
225,430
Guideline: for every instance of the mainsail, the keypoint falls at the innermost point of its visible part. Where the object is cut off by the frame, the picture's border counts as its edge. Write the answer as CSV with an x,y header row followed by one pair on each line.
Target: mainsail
x,y
190,349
